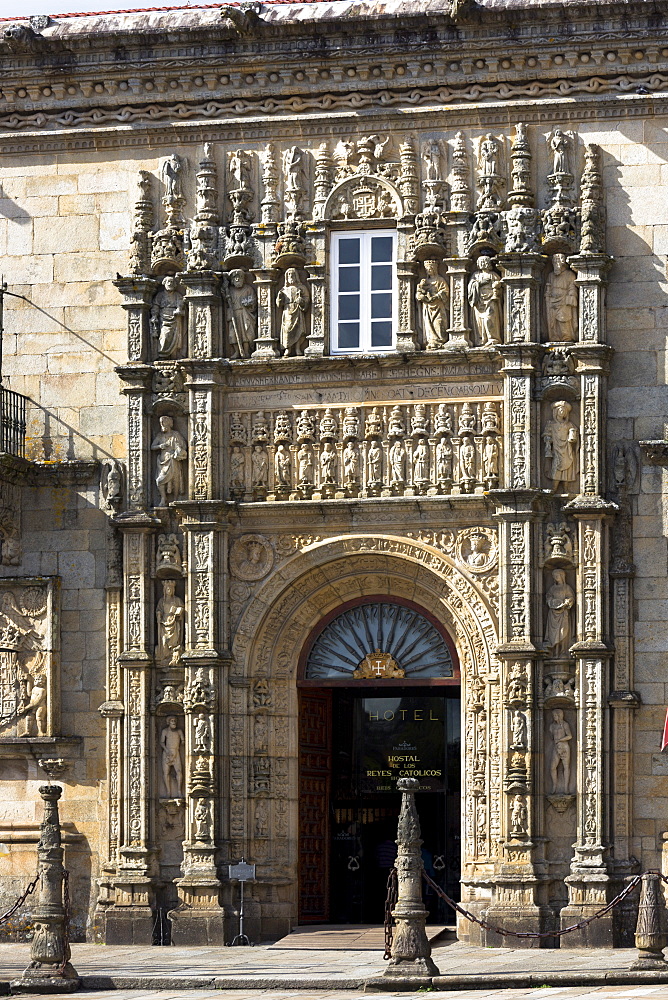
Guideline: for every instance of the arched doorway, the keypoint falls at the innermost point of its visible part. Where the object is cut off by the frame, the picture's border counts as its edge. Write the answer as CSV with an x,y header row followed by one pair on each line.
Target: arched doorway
x,y
379,699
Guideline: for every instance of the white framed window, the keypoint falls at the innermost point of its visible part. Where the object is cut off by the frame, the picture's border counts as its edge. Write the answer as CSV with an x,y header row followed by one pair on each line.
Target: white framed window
x,y
363,315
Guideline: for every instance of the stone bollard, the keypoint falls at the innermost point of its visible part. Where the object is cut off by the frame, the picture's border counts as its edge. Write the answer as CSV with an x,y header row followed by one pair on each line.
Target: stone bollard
x,y
650,934
49,970
411,951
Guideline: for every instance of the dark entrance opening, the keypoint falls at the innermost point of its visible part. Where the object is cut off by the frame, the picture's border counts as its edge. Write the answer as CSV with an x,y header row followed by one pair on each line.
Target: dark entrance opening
x,y
378,700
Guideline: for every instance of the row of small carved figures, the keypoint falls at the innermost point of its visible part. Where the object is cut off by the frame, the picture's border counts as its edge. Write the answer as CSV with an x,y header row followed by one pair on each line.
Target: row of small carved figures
x,y
484,294
422,462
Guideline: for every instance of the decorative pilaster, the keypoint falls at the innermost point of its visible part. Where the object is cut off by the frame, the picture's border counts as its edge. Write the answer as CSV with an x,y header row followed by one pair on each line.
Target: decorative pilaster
x,y
205,314
318,338
459,332
406,331
266,345
137,295
137,388
204,479
199,918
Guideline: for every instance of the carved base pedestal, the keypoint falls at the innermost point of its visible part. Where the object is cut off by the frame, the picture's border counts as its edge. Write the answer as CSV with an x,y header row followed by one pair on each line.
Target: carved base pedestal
x,y
127,925
528,917
39,978
410,937
199,919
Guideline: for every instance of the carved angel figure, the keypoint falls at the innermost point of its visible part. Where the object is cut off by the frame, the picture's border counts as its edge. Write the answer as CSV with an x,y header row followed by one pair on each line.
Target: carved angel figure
x,y
294,299
485,294
561,300
242,314
434,295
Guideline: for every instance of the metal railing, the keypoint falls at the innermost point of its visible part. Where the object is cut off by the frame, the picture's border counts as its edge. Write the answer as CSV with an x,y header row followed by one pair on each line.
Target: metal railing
x,y
12,422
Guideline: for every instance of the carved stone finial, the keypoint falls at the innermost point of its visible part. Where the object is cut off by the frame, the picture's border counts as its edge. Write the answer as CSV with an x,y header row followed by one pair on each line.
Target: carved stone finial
x,y
460,188
592,238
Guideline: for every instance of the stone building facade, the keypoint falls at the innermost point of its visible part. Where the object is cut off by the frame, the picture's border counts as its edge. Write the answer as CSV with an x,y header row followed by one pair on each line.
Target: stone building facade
x,y
342,337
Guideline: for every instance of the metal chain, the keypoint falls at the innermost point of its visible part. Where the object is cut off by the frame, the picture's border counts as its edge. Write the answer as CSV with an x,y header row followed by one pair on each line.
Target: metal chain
x,y
534,934
4,917
390,903
66,918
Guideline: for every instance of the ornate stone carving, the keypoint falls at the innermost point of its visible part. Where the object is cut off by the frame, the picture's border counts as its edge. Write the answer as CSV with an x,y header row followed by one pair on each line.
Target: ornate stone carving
x,y
111,485
485,295
294,170
560,753
476,549
561,300
241,301
172,453
433,293
168,318
168,557
293,299
172,742
251,557
28,686
170,616
560,599
561,437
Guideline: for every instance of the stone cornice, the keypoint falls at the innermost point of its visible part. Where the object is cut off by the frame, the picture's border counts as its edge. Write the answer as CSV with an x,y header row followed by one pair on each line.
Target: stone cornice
x,y
30,473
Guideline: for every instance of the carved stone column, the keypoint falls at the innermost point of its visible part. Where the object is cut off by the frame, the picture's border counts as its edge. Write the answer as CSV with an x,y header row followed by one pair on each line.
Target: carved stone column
x,y
204,474
591,272
317,338
205,314
49,970
137,298
459,333
137,388
199,918
406,328
130,920
266,345
521,278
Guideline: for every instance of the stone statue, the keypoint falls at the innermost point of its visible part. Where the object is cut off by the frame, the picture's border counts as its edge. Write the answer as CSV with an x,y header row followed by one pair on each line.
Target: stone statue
x,y
202,832
173,452
295,179
374,463
559,628
259,467
442,420
167,318
397,464
485,292
421,462
171,173
490,458
171,742
282,466
294,298
433,293
351,463
237,468
561,734
169,614
559,144
239,171
328,464
479,553
112,484
519,731
431,154
467,460
488,155
305,465
202,734
561,300
242,314
518,816
443,461
561,445
36,708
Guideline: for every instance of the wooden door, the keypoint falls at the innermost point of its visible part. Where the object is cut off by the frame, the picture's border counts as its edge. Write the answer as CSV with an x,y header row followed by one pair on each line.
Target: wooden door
x,y
315,763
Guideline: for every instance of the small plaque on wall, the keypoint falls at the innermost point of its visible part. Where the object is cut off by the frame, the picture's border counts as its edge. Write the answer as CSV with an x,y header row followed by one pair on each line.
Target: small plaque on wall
x,y
242,872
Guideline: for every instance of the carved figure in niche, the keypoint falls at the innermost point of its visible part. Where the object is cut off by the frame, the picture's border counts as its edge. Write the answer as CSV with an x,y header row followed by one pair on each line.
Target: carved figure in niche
x,y
328,464
237,468
561,444
295,179
490,458
519,731
444,461
397,464
171,171
351,463
167,318
480,549
431,154
239,171
305,465
561,299
11,548
259,467
294,298
442,420
112,484
561,734
305,426
467,460
559,144
559,628
200,690
168,556
434,295
374,463
261,818
518,816
169,615
488,155
202,734
202,832
242,314
171,742
485,293
173,452
282,466
421,462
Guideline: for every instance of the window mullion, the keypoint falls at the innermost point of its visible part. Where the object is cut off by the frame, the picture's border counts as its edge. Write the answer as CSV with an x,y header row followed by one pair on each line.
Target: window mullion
x,y
365,284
